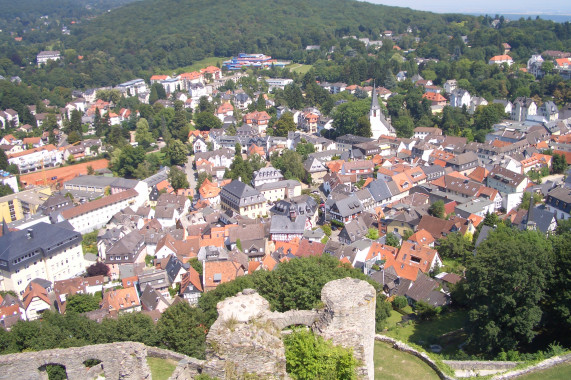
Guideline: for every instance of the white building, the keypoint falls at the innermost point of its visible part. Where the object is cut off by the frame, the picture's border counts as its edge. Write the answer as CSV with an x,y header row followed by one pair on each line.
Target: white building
x,y
278,83
35,159
45,56
44,251
379,124
133,87
460,98
91,216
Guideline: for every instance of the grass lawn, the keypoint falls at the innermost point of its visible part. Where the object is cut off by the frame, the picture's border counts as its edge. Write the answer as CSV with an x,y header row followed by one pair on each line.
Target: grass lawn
x,y
161,369
299,68
424,333
393,364
452,266
393,319
196,66
560,372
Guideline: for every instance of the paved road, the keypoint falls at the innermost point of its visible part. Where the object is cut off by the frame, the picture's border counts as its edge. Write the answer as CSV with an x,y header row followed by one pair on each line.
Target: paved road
x,y
552,177
190,173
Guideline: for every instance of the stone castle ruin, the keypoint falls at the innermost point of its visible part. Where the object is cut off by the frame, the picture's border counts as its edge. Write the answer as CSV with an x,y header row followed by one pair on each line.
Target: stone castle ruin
x,y
244,340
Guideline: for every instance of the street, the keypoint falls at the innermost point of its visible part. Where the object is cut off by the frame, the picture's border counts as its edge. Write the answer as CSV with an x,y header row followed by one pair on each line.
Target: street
x,y
190,175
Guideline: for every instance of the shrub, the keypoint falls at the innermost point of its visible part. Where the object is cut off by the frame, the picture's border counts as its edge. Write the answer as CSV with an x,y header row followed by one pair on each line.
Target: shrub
x,y
400,302
311,357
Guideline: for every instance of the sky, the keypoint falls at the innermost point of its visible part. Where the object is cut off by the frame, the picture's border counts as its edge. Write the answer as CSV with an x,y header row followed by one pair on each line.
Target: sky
x,y
483,6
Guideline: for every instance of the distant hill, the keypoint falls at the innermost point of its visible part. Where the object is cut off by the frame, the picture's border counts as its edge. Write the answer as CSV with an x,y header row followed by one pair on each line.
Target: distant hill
x,y
174,33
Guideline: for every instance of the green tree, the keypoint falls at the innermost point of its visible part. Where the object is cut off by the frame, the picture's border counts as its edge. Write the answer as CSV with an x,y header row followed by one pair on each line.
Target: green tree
x,y
382,312
437,209
290,164
82,303
284,125
425,311
346,115
304,148
486,116
128,161
142,135
526,200
137,327
404,126
5,190
506,284
73,137
205,106
559,164
400,302
558,307
196,264
392,240
182,328
455,246
293,96
309,356
176,153
206,121
373,234
3,160
177,178
364,126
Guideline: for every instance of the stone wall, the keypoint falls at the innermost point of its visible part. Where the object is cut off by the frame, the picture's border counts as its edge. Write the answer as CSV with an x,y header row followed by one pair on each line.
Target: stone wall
x,y
421,355
246,337
473,368
349,319
548,363
125,361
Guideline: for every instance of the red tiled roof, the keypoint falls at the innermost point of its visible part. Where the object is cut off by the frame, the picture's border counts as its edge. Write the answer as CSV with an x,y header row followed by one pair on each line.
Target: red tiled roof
x,y
98,203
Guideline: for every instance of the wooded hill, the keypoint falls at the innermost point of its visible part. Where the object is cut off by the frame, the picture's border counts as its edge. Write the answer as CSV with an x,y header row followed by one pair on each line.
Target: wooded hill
x,y
175,33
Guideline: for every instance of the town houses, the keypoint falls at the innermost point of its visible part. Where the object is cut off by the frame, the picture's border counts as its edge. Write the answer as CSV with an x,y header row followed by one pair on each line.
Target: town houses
x,y
258,196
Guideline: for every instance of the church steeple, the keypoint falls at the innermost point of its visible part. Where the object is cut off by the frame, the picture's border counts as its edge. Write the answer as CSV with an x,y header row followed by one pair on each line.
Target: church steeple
x,y
379,124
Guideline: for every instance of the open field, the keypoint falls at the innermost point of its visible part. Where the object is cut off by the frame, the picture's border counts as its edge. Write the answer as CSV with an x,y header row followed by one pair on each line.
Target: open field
x,y
161,369
560,372
430,332
391,364
196,66
299,68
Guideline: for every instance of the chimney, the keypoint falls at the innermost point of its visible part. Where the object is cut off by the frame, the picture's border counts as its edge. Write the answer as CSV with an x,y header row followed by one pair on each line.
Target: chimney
x,y
30,233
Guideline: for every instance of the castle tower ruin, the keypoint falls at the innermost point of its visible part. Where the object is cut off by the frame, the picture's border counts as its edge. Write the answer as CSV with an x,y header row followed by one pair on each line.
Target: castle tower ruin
x,y
349,319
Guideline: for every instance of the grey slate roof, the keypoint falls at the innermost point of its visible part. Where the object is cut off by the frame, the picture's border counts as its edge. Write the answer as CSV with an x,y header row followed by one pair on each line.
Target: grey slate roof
x,y
151,298
173,267
18,249
243,194
380,190
349,206
282,224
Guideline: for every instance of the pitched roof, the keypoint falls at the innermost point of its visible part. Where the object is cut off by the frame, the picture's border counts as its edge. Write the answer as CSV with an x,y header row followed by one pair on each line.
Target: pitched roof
x,y
219,272
34,290
98,203
421,237
120,299
309,248
191,277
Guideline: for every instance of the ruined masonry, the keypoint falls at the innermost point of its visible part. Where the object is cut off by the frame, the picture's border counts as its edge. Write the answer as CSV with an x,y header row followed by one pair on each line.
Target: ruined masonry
x,y
246,337
244,340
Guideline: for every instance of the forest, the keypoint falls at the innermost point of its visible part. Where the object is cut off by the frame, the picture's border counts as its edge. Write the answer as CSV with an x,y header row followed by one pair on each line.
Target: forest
x,y
134,41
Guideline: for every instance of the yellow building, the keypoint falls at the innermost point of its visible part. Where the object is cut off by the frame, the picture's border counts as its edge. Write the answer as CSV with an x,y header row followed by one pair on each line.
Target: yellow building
x,y
17,206
243,199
